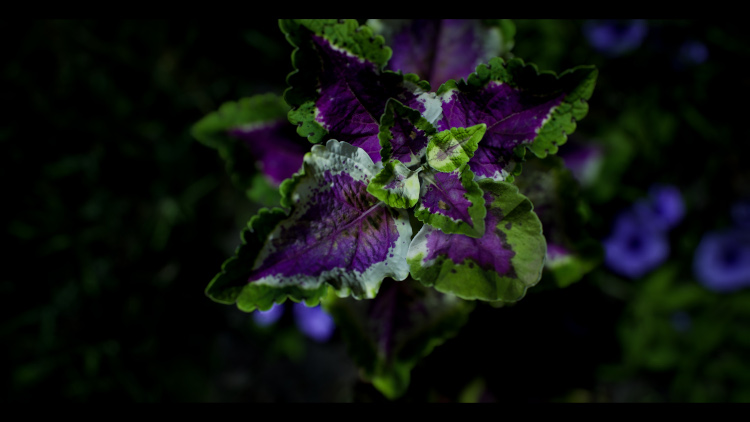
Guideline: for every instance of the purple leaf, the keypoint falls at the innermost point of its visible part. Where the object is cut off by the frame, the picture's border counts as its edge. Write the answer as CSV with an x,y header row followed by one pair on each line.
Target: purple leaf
x,y
404,134
499,266
276,147
340,90
440,49
452,202
337,232
512,118
520,106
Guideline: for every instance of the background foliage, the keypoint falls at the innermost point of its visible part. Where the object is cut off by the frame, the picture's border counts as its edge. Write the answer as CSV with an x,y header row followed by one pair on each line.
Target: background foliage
x,y
116,218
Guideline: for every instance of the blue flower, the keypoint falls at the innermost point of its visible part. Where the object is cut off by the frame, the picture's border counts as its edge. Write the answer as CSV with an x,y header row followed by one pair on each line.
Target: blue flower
x,y
722,260
664,208
615,38
693,52
635,246
314,322
266,318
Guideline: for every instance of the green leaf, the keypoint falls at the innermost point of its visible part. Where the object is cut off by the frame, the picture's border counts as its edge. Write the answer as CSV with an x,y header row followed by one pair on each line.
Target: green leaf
x,y
571,251
450,149
396,185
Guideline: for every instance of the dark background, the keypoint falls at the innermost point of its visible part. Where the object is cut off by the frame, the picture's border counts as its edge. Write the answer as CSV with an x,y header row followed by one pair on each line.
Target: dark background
x,y
116,219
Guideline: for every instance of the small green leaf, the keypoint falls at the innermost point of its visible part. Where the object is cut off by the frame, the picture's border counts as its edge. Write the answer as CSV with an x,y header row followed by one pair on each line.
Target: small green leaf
x,y
452,148
396,185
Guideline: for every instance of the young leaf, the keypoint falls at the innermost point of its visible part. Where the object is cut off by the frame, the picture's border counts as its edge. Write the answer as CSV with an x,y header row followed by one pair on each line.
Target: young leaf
x,y
499,266
396,185
441,49
253,134
336,233
388,335
450,149
452,202
520,106
404,134
339,90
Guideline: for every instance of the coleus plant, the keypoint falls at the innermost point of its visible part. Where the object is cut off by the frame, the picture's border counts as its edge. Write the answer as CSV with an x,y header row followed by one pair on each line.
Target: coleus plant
x,y
404,183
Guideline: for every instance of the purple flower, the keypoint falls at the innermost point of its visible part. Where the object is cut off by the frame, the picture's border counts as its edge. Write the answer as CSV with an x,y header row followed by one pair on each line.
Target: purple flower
x,y
664,207
635,246
722,260
615,38
693,52
266,318
313,322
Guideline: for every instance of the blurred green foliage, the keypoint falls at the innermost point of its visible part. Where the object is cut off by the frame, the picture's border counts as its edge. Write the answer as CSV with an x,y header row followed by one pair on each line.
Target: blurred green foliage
x,y
116,218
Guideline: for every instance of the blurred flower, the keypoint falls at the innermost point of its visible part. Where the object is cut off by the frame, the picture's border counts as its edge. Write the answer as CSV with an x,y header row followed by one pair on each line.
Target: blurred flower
x,y
615,38
664,208
584,161
693,52
635,246
313,322
555,252
266,318
741,214
722,260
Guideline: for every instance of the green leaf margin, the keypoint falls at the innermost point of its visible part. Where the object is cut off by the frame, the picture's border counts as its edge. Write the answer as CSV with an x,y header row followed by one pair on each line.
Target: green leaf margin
x,y
212,129
231,284
468,280
303,82
477,210
578,84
